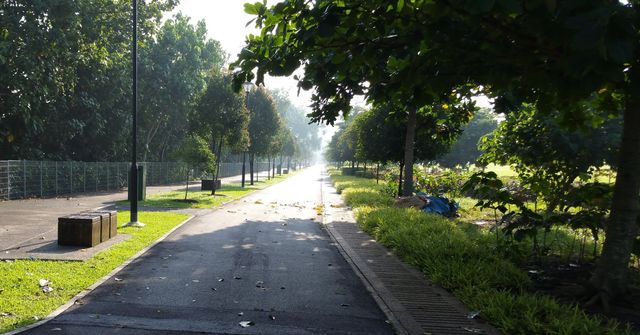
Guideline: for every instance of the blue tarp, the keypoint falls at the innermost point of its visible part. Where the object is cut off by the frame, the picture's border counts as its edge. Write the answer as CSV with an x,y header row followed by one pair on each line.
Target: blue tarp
x,y
439,205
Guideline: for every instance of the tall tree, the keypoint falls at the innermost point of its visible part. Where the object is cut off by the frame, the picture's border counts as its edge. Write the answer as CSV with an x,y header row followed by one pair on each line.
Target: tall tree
x,y
263,124
221,116
64,74
172,79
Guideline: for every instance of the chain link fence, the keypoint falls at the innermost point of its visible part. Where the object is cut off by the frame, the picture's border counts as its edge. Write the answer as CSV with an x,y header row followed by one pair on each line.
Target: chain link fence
x,y
41,179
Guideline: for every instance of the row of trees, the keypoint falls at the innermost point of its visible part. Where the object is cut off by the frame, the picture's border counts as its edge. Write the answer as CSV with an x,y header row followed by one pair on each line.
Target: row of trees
x,y
562,56
65,83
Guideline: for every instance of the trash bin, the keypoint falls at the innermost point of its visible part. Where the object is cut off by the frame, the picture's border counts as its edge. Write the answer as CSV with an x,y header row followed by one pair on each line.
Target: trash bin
x,y
142,184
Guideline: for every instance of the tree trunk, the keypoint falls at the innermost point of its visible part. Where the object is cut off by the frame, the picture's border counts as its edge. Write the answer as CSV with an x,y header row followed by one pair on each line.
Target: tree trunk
x,y
273,168
377,173
610,277
408,152
186,190
215,177
251,167
400,179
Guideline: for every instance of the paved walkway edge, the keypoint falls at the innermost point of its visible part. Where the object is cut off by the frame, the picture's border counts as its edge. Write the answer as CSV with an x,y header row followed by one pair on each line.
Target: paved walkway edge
x,y
88,290
389,305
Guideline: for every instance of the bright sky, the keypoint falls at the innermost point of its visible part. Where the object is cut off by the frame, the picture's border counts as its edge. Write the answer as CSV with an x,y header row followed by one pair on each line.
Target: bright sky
x,y
226,22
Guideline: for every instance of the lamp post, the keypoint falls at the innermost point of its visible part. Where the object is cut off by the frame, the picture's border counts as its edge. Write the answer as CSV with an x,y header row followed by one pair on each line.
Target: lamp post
x,y
133,181
247,88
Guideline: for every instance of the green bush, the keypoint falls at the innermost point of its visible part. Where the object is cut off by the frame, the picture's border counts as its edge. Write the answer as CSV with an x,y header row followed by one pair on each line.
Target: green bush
x,y
464,259
365,196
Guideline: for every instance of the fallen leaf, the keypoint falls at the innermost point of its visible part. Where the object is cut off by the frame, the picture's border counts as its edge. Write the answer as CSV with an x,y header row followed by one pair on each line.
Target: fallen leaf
x,y
473,314
220,279
246,324
117,279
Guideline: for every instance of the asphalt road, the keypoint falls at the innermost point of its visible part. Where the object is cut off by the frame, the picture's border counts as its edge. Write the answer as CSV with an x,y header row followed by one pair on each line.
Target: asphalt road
x,y
262,260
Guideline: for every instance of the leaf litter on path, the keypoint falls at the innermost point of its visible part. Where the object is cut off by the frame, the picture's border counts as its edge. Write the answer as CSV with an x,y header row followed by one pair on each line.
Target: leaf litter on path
x,y
246,324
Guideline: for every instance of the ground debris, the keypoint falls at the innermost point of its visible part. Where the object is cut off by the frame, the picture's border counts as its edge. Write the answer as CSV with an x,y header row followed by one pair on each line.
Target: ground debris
x,y
473,330
45,285
246,324
473,314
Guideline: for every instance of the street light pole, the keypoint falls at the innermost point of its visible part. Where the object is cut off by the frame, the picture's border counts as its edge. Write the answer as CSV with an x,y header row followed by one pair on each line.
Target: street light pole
x,y
247,88
244,159
134,131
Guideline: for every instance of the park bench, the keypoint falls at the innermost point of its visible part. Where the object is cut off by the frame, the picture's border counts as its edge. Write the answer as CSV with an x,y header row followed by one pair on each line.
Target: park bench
x,y
87,229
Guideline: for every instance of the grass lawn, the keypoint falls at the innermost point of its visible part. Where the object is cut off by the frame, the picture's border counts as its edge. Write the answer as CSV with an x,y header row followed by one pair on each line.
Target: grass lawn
x,y
21,298
203,199
463,258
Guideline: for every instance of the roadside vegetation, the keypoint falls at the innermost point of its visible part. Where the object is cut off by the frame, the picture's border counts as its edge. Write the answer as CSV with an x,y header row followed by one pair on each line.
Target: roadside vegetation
x,y
488,270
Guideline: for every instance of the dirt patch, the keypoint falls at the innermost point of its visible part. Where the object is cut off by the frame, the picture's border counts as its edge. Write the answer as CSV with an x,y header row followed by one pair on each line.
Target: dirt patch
x,y
567,281
186,201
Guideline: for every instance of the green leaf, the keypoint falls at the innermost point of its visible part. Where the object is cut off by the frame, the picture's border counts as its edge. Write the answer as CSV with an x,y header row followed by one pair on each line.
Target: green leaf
x,y
251,9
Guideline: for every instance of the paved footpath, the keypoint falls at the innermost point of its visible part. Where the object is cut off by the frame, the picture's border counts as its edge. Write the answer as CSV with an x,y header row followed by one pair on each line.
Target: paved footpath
x,y
263,259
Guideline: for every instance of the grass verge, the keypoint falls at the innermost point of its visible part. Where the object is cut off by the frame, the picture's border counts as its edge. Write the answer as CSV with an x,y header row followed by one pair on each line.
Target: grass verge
x,y
203,199
463,259
23,302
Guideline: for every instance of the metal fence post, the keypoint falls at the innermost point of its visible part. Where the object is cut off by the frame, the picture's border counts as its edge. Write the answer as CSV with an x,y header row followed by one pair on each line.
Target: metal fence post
x,y
24,178
56,178
71,177
41,186
107,176
8,181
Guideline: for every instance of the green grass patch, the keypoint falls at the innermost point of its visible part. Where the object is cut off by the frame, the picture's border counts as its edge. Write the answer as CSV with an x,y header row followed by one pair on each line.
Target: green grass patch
x,y
21,296
463,258
204,199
